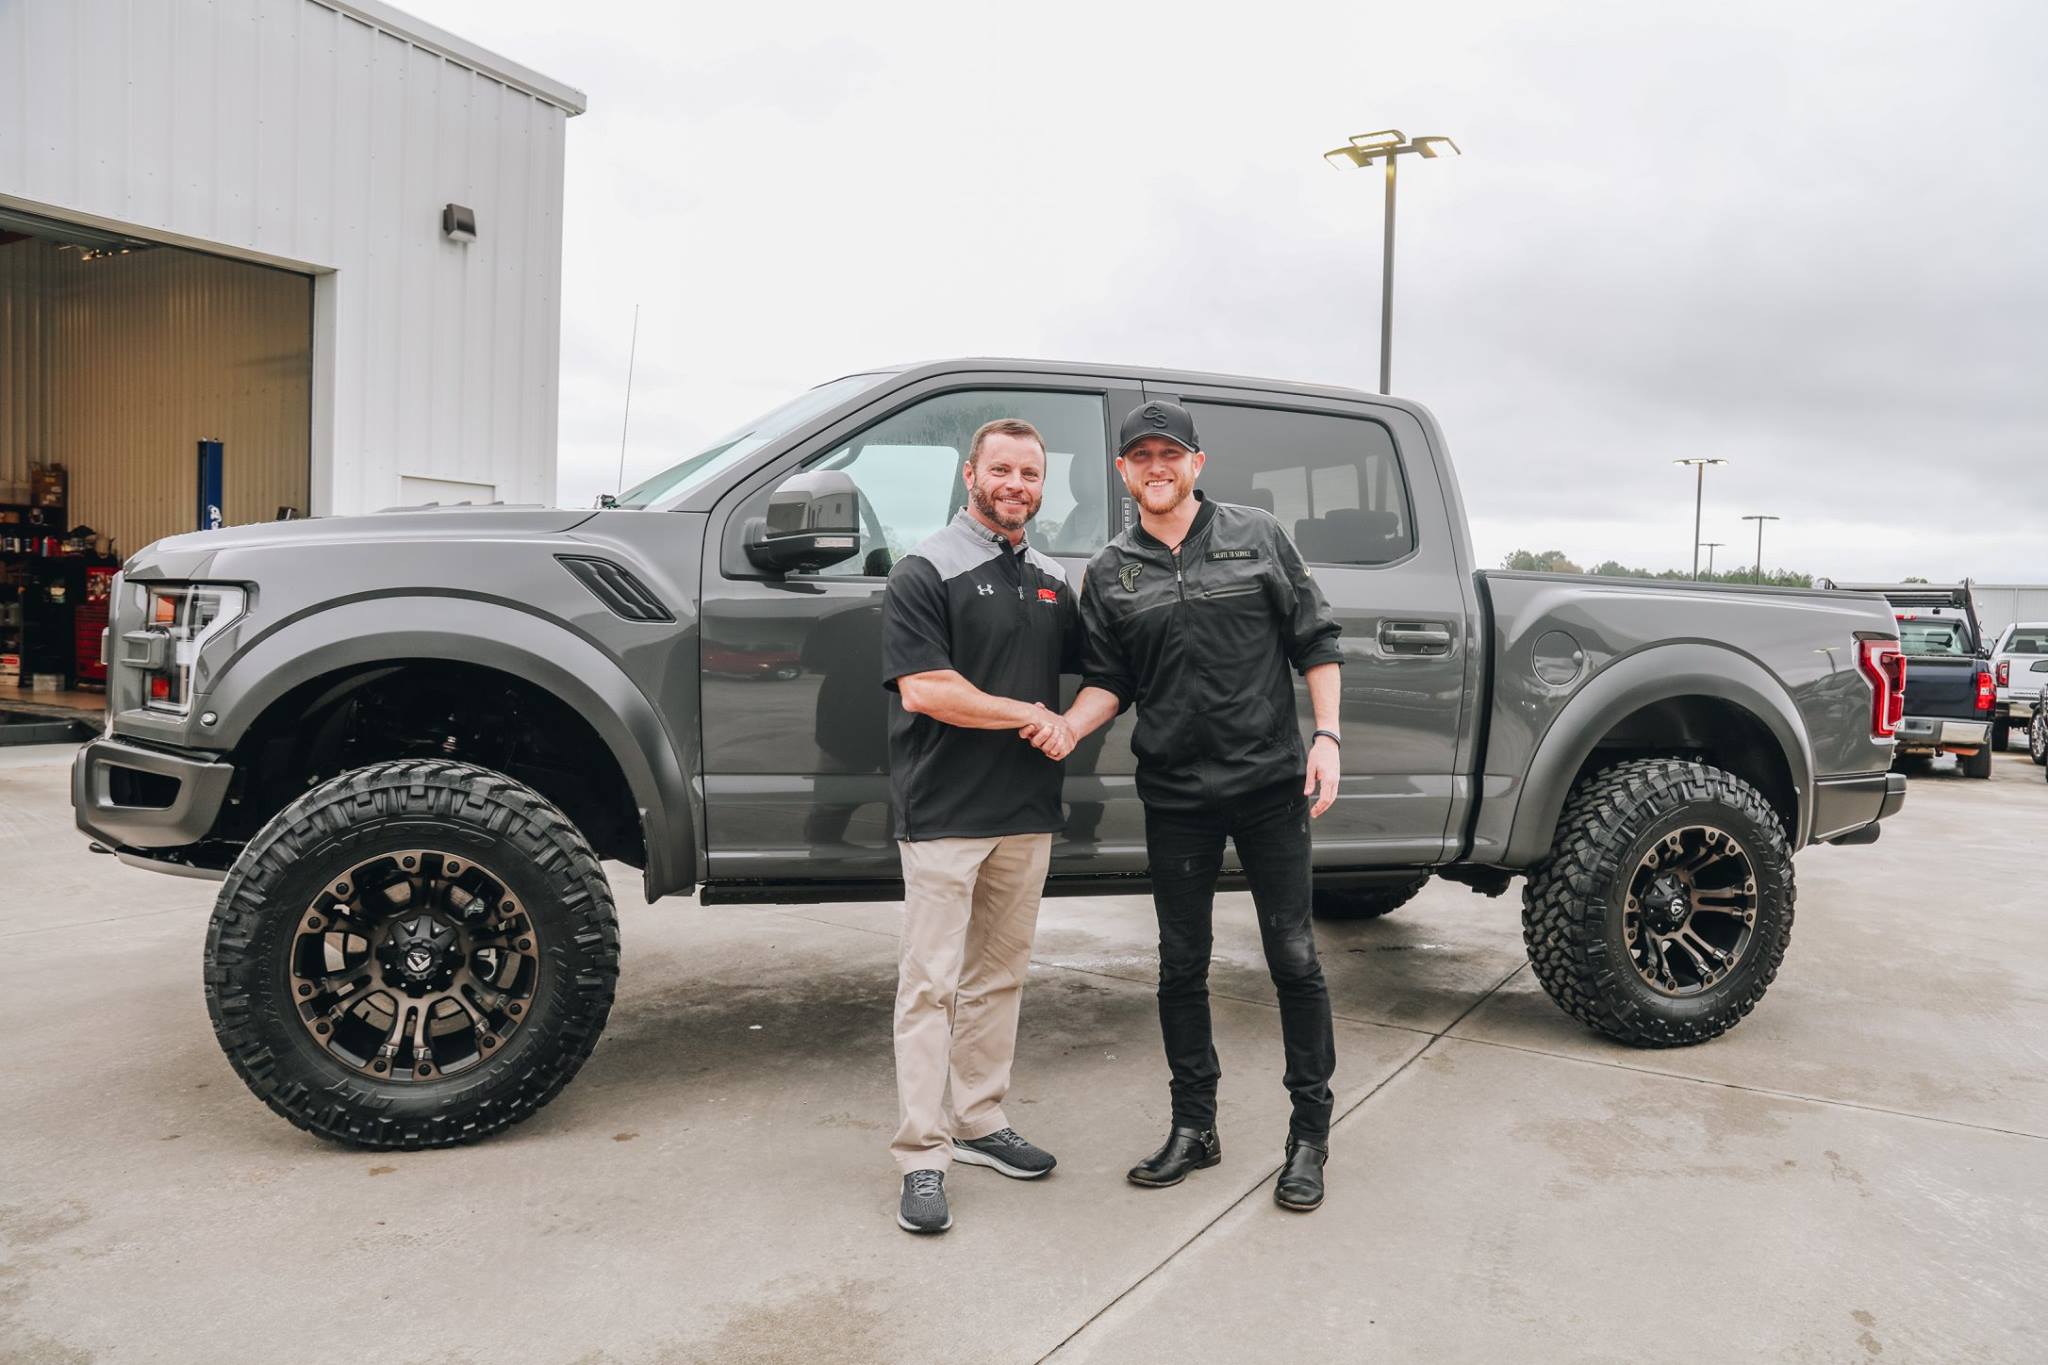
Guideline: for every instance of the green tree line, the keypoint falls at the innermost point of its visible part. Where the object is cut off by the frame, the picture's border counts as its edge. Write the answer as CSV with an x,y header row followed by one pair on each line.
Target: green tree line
x,y
1556,561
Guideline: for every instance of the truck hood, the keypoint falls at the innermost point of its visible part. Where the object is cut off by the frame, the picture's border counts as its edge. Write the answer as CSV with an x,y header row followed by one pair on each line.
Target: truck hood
x,y
192,555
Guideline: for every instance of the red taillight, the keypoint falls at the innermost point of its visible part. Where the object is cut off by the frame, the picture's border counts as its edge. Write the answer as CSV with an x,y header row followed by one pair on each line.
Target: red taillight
x,y
160,688
1885,666
2005,672
1987,692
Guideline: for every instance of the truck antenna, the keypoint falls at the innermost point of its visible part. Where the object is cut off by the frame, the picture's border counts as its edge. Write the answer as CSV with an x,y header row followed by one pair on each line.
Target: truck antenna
x,y
632,351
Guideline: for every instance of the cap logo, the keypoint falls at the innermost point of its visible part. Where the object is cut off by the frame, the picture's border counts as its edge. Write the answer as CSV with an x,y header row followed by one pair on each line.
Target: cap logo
x,y
1157,418
1128,576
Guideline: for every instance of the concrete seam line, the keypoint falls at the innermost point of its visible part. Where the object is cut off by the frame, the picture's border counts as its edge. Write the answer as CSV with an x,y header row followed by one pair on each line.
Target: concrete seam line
x,y
1756,1089
1273,1170
111,919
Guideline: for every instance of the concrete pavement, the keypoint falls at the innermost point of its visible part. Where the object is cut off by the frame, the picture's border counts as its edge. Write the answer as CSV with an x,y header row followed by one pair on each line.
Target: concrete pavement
x,y
1858,1172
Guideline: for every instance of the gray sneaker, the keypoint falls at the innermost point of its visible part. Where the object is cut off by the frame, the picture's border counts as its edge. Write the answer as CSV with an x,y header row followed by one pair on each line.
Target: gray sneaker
x,y
1005,1151
924,1203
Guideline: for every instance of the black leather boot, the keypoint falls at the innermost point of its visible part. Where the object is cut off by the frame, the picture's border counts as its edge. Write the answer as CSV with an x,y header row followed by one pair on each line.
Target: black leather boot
x,y
1186,1149
1300,1186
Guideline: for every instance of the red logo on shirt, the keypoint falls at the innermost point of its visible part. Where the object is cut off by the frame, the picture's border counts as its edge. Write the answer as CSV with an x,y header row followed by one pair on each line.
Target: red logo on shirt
x,y
1048,594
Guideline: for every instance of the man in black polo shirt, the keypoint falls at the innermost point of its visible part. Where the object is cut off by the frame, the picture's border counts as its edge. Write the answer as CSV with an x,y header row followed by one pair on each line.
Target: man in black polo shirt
x,y
1199,614
976,629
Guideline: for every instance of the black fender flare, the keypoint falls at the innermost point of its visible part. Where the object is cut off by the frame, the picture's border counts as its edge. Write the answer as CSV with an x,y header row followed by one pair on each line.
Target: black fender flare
x,y
1660,673
474,630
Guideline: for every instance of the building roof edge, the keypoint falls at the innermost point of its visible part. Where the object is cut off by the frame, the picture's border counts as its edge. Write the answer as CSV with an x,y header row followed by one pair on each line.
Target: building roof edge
x,y
390,19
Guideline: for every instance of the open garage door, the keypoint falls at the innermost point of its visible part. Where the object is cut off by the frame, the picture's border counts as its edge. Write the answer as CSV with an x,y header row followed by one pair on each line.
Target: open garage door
x,y
118,357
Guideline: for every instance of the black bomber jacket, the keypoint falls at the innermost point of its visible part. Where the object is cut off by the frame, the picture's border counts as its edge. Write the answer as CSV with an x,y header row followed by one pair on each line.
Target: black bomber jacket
x,y
1202,639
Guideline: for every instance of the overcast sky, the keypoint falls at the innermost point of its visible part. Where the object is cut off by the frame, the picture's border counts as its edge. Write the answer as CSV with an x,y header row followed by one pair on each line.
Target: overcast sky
x,y
1811,239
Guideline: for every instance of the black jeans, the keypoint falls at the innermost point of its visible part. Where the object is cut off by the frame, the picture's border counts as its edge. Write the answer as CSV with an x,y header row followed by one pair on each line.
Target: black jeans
x,y
1185,849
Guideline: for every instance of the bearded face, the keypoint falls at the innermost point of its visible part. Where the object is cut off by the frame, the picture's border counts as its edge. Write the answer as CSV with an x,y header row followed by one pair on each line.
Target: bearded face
x,y
1007,482
1159,473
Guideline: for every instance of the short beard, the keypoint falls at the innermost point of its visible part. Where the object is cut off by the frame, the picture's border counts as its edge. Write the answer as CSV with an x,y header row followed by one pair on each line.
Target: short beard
x,y
987,507
1180,494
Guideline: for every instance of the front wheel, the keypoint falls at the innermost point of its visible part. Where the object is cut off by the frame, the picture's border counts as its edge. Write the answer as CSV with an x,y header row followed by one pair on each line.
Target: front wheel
x,y
1363,902
1664,907
414,954
2001,731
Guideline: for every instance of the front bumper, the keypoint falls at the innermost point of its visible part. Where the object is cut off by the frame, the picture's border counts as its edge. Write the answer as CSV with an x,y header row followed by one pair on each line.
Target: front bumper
x,y
1843,805
1929,734
128,797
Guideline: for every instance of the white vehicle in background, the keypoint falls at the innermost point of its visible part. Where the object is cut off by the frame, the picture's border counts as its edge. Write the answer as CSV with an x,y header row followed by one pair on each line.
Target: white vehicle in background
x,y
2019,667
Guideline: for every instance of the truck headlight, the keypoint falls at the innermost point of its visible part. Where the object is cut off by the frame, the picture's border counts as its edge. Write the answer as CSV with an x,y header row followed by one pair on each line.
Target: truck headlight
x,y
183,616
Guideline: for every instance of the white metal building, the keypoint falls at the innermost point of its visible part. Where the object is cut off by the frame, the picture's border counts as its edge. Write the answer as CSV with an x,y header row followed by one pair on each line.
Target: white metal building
x,y
2001,604
225,219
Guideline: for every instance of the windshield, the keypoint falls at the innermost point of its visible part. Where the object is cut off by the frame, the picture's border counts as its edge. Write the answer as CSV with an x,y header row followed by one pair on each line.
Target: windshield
x,y
2028,640
1934,638
735,446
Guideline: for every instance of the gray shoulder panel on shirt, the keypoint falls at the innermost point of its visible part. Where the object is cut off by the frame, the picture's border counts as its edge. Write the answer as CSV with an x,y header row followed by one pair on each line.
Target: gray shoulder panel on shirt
x,y
953,551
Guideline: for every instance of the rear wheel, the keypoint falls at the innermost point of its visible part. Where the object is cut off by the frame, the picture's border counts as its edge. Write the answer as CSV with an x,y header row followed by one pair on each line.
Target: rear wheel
x,y
1979,763
1364,902
414,954
2001,731
1665,905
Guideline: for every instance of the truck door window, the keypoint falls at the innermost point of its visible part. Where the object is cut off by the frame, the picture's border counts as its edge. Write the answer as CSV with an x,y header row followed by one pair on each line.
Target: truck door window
x,y
907,467
1334,482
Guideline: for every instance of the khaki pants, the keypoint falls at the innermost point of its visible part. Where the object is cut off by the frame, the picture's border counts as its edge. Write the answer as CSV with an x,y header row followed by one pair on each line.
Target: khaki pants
x,y
970,907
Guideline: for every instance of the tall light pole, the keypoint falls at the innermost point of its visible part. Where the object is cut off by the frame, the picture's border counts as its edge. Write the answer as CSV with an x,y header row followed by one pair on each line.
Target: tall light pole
x,y
1388,145
1710,546
1698,496
1759,518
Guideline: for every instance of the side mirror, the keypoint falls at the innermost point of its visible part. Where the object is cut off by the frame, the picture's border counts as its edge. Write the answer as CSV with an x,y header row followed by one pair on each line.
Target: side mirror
x,y
813,522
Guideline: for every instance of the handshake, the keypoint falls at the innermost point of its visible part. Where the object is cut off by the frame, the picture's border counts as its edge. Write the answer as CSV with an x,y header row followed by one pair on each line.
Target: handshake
x,y
1050,733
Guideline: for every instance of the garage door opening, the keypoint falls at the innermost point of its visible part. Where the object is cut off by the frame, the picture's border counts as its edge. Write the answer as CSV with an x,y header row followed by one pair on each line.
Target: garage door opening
x,y
118,357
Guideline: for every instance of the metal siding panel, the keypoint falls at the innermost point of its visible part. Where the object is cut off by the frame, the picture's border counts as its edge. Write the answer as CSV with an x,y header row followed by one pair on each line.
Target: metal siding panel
x,y
152,153
49,81
480,270
274,194
14,58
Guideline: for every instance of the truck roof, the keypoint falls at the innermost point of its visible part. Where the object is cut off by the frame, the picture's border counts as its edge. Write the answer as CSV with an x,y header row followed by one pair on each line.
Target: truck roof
x,y
1138,374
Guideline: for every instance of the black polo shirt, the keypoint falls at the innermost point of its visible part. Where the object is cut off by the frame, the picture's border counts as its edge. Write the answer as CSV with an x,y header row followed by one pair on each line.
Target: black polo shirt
x,y
1005,620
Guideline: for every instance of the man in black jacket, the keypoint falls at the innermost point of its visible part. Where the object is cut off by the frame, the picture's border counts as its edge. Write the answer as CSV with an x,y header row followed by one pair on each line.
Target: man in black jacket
x,y
1196,614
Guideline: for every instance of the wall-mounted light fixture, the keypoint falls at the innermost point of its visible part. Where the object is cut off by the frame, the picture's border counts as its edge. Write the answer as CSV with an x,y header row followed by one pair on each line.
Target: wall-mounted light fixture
x,y
458,223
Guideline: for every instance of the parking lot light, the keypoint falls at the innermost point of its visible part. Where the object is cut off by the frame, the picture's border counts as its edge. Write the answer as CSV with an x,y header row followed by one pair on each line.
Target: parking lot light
x,y
1388,145
1699,494
1760,518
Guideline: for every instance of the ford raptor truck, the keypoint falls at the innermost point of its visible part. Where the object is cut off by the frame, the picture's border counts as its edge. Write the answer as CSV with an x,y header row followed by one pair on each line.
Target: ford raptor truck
x,y
406,742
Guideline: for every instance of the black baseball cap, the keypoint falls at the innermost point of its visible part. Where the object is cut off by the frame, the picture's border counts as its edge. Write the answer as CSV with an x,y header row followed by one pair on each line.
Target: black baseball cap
x,y
1159,418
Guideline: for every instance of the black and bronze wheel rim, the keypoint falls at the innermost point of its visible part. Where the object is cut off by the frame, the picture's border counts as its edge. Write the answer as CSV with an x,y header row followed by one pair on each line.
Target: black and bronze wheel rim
x,y
1691,910
414,965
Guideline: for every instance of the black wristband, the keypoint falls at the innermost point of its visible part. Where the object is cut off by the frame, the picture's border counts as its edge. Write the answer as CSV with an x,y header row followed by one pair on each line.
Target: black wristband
x,y
1331,735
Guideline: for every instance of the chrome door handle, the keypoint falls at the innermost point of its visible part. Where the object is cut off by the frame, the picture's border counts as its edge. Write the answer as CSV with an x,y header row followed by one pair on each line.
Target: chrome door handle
x,y
1415,637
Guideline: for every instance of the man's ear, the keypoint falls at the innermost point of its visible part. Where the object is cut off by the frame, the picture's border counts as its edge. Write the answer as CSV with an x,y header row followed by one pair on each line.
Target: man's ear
x,y
1196,459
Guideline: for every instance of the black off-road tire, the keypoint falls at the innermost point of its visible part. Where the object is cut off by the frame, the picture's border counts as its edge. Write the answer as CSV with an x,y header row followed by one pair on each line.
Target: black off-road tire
x,y
468,812
1978,764
1363,902
2001,735
1572,903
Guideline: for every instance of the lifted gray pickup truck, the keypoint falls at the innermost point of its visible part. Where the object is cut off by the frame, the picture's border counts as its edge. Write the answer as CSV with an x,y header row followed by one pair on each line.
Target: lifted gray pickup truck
x,y
406,740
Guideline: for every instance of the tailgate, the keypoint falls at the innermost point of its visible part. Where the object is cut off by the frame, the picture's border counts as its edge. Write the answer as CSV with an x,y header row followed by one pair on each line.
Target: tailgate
x,y
1942,687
